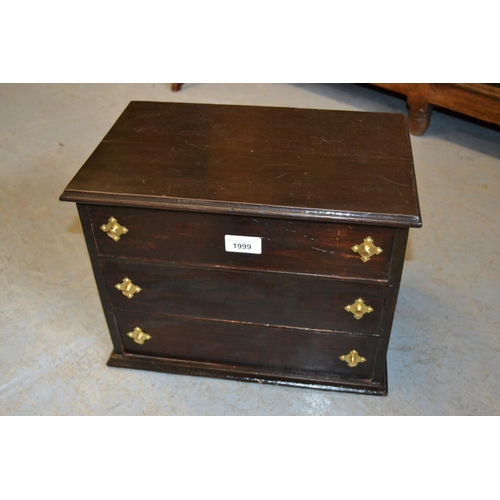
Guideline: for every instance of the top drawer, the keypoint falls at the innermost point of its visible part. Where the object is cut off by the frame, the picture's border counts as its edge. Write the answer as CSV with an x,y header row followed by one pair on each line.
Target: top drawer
x,y
296,246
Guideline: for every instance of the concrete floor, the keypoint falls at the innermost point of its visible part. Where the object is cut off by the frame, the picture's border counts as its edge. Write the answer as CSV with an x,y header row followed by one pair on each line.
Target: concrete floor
x,y
443,356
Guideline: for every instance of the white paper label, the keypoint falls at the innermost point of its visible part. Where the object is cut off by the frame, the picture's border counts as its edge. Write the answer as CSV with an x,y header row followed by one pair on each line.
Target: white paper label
x,y
243,244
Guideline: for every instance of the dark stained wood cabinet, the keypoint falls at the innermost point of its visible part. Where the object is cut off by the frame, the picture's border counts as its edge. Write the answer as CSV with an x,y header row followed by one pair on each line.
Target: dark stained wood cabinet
x,y
250,243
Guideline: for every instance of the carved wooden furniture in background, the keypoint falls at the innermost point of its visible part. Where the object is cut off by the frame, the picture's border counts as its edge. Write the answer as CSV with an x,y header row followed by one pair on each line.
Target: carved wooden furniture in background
x,y
250,243
478,100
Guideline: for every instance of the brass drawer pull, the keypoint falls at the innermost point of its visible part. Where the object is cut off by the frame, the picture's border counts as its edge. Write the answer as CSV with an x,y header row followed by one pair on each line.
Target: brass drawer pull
x,y
367,249
113,229
359,308
138,336
128,288
352,359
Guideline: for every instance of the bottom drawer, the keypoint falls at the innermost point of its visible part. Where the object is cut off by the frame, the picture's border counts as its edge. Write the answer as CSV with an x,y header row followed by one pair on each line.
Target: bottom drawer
x,y
285,350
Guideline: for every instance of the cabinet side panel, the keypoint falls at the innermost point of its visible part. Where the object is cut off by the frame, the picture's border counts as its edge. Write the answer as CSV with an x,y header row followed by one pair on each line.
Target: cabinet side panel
x,y
398,255
99,277
395,273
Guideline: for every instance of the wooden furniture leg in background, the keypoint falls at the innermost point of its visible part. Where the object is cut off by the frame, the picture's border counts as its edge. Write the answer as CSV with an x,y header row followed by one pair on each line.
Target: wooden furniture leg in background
x,y
418,103
478,100
176,87
419,108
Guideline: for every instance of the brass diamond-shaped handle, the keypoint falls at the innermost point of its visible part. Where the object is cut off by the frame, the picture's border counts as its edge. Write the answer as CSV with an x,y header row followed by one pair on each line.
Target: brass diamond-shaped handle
x,y
138,335
113,229
128,288
359,308
367,249
352,359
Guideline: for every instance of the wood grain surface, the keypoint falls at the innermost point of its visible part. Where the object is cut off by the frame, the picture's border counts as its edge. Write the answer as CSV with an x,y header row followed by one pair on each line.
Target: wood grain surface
x,y
255,297
281,349
297,246
282,162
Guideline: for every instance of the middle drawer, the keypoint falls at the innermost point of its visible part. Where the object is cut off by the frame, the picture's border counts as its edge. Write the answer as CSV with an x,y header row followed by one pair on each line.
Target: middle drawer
x,y
252,297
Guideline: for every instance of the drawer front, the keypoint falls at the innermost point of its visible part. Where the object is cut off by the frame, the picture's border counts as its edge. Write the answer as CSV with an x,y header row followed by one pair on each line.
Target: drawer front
x,y
294,246
247,345
255,297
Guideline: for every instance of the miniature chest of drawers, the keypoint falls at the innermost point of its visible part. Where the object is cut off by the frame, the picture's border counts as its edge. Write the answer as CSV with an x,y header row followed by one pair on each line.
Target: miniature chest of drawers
x,y
250,243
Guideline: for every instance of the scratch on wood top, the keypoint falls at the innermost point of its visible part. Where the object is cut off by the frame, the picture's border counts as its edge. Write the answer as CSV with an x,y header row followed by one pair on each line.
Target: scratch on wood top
x,y
278,177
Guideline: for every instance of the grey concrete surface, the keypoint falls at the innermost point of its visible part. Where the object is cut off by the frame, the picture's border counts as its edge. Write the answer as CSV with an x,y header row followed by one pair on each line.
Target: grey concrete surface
x,y
443,356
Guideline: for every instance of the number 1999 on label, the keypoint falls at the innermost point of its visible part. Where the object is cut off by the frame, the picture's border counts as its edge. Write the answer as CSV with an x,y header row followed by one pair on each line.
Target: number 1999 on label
x,y
243,244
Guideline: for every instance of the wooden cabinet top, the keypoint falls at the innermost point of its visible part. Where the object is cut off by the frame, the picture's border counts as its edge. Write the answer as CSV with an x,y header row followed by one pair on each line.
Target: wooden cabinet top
x,y
279,162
